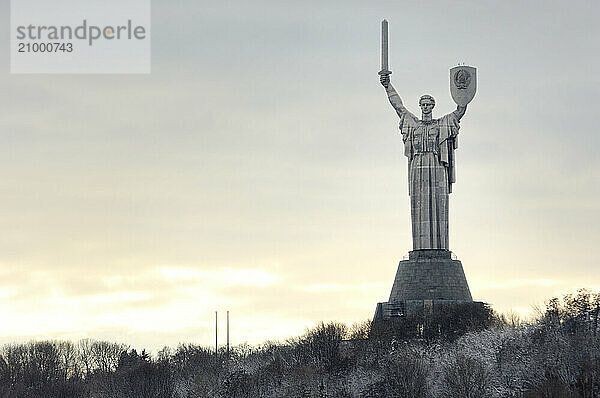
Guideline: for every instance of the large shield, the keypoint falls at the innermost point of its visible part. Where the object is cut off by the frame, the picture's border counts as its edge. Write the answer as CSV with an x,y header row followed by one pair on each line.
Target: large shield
x,y
463,84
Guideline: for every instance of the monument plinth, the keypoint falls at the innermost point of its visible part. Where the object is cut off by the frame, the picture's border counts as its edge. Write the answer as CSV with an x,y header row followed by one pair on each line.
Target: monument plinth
x,y
427,278
430,276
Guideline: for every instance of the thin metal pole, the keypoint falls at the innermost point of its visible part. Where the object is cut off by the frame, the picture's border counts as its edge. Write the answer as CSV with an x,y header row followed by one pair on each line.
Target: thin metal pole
x,y
216,338
227,335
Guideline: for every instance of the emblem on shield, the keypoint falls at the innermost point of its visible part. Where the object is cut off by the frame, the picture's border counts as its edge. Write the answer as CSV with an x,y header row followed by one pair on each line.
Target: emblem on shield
x,y
463,84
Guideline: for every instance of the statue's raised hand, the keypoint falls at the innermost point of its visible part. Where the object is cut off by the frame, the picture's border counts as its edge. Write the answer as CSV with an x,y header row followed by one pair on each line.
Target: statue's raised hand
x,y
385,80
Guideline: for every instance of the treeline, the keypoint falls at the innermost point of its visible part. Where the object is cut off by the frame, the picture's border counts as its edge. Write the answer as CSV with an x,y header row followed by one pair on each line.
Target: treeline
x,y
467,352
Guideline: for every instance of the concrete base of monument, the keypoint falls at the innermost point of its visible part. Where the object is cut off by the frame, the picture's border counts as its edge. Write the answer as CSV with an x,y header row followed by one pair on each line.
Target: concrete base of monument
x,y
428,278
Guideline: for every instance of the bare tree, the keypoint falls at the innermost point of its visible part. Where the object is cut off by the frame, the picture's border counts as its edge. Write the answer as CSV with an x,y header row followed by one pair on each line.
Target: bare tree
x,y
466,378
84,356
105,355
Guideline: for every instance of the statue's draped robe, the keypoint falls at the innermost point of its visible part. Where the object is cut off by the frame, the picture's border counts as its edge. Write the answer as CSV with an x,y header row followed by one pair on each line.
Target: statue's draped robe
x,y
429,147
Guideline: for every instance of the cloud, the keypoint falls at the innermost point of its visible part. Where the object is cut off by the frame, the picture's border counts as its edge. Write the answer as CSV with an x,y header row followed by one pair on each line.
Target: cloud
x,y
222,277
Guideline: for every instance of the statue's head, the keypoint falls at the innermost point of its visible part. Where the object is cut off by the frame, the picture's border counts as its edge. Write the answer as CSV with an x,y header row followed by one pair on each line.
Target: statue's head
x,y
427,103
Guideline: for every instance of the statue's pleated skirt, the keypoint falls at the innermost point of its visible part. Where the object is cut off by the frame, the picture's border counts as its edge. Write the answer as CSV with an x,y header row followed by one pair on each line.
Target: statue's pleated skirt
x,y
428,188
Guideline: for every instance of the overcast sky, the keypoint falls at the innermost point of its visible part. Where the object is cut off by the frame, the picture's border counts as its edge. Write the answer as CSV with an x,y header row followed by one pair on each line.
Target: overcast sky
x,y
259,169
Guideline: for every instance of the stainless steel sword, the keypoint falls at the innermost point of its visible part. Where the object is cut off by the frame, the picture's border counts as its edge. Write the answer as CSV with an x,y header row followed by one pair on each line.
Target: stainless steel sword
x,y
384,49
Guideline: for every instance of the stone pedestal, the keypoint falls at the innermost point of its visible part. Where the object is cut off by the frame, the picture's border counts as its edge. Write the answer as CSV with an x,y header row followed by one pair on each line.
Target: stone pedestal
x,y
427,278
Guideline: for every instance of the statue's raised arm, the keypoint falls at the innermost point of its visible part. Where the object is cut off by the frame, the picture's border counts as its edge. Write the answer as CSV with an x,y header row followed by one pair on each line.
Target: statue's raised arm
x,y
460,111
408,121
394,98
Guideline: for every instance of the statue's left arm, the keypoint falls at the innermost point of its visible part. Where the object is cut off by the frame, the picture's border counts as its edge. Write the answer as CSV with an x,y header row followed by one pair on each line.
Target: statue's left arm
x,y
460,111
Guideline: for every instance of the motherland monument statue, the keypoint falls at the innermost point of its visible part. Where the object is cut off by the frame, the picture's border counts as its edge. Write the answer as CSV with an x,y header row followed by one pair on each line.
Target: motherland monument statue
x,y
430,276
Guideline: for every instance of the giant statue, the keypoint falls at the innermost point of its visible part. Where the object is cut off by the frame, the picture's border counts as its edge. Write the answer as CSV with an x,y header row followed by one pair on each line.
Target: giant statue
x,y
431,276
429,145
